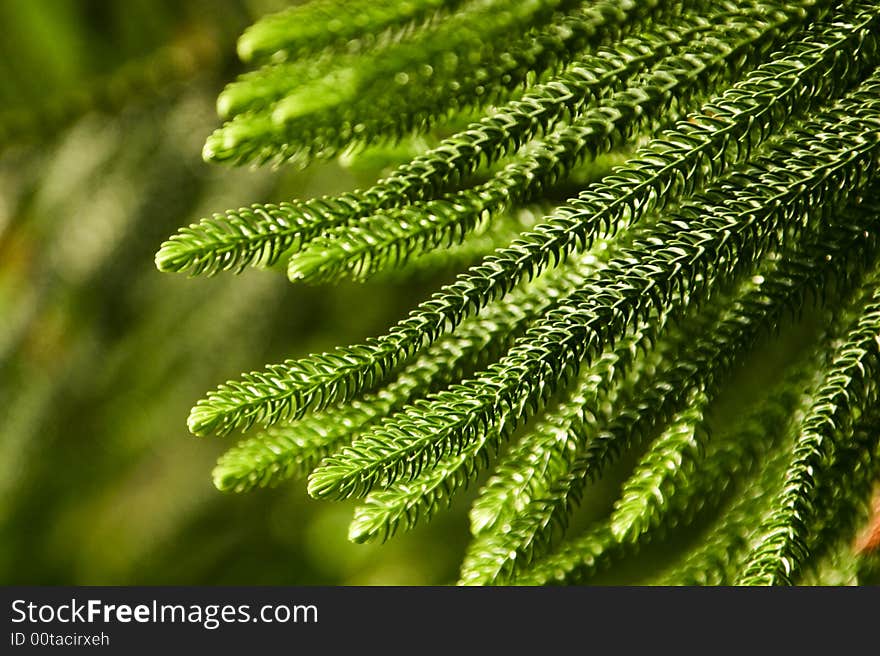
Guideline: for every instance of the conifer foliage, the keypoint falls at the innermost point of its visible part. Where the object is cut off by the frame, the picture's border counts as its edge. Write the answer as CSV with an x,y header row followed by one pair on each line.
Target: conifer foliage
x,y
602,337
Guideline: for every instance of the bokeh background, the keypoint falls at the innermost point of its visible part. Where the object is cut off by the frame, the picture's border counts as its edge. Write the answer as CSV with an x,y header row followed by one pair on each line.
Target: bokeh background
x,y
104,108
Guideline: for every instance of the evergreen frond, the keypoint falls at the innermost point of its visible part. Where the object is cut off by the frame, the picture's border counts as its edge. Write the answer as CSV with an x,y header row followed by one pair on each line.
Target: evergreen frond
x,y
391,237
488,236
748,447
544,454
648,276
309,28
272,83
718,557
694,491
700,360
848,390
670,460
262,234
250,236
745,139
467,60
405,502
292,450
726,131
843,503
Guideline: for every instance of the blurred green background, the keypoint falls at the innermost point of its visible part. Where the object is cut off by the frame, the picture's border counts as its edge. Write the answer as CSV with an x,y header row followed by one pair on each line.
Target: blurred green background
x,y
104,108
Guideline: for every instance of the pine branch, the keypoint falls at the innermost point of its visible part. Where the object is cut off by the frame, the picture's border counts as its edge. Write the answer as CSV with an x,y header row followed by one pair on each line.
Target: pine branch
x,y
719,555
294,450
770,200
260,235
744,116
391,237
751,136
843,500
849,388
263,234
700,360
261,88
404,503
467,61
316,25
531,467
489,235
683,494
670,462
